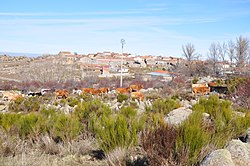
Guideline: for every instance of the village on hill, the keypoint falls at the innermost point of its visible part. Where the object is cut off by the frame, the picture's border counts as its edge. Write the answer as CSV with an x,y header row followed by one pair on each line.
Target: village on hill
x,y
72,66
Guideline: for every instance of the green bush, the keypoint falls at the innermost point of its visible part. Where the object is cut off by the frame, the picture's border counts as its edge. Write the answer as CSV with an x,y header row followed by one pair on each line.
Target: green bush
x,y
128,112
219,82
47,113
195,80
133,104
9,120
32,104
86,96
175,96
30,125
219,110
152,96
192,137
63,102
72,101
84,109
122,97
25,104
65,127
154,120
233,82
119,130
164,105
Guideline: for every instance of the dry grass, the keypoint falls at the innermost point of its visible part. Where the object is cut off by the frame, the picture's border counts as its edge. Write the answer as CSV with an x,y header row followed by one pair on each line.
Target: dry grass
x,y
37,159
117,157
45,151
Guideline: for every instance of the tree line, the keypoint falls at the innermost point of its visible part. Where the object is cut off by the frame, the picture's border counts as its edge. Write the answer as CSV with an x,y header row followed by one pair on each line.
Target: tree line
x,y
236,52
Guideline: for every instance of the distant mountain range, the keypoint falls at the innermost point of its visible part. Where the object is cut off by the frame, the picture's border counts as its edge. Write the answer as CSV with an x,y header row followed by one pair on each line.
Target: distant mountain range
x,y
20,54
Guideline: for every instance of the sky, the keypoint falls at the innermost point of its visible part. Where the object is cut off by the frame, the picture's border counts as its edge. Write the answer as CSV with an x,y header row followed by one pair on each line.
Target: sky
x,y
149,27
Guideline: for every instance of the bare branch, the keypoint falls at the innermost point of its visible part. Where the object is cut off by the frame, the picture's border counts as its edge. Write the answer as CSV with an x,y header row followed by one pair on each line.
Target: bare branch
x,y
189,52
242,47
213,55
222,50
231,51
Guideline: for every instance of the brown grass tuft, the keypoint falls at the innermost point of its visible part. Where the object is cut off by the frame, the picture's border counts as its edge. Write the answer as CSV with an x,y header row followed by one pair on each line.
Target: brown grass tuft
x,y
159,145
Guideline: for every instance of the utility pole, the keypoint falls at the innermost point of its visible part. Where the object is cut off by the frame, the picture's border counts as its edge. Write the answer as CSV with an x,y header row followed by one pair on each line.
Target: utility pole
x,y
122,42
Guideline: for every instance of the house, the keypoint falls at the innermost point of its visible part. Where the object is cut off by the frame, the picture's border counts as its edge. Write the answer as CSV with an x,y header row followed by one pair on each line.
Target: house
x,y
93,69
71,59
64,53
166,75
162,73
107,53
171,60
91,55
150,61
222,65
87,60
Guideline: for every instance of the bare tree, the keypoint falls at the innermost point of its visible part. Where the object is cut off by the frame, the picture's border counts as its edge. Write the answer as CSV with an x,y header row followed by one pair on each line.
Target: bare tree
x,y
222,49
242,47
189,54
248,56
213,55
231,51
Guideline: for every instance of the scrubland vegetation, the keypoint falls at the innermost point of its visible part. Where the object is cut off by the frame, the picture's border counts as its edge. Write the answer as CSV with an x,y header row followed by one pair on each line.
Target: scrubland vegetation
x,y
122,137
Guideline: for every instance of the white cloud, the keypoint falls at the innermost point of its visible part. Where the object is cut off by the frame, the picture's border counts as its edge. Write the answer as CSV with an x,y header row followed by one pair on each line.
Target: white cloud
x,y
150,10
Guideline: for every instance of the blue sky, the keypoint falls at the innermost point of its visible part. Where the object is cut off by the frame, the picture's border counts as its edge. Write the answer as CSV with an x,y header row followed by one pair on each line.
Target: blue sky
x,y
156,27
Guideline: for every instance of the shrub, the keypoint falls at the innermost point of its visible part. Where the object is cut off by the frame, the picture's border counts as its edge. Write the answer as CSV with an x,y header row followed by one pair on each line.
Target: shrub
x,y
86,96
30,124
47,113
164,105
85,109
234,82
14,106
219,82
175,96
195,139
9,121
243,94
119,130
63,101
122,97
72,101
160,145
195,80
152,96
219,110
192,138
128,112
154,120
25,104
32,104
133,104
65,127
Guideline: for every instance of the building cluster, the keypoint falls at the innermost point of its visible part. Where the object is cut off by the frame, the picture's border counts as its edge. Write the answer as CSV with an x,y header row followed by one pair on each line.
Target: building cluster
x,y
72,66
109,64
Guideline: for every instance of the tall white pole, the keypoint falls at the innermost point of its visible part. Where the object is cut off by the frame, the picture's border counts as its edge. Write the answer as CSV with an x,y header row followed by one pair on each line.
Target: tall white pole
x,y
122,42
